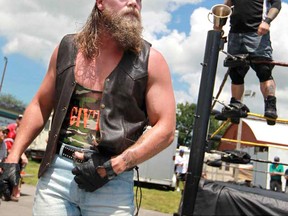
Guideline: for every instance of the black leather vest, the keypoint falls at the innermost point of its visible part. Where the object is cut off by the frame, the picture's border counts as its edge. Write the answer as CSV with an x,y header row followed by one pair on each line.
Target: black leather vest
x,y
123,110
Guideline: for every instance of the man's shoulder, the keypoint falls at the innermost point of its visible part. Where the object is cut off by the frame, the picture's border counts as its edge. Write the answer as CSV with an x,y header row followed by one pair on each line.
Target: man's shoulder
x,y
67,39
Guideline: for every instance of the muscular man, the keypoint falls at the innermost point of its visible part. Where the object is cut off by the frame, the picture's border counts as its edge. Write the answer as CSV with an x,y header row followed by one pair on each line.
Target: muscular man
x,y
103,85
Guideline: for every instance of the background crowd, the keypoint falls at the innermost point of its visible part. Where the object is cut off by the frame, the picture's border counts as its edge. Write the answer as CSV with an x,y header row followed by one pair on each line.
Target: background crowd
x,y
7,136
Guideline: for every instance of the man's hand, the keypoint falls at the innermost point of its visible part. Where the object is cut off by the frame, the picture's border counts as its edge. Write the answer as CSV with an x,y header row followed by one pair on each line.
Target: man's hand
x,y
10,173
263,28
86,174
24,160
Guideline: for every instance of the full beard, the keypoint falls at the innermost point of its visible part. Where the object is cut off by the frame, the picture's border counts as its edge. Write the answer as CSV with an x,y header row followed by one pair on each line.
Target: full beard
x,y
125,28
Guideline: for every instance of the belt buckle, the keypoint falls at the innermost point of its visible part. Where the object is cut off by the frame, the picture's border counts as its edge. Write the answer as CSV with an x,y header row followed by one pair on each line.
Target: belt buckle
x,y
61,149
70,149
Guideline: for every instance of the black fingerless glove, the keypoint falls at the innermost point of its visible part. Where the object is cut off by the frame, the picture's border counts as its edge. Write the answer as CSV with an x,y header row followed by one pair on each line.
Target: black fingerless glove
x,y
11,173
86,175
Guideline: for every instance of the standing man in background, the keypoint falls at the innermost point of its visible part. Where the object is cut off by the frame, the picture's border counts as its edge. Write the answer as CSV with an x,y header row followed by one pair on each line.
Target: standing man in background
x,y
276,171
181,165
104,85
11,136
250,34
3,148
3,154
12,131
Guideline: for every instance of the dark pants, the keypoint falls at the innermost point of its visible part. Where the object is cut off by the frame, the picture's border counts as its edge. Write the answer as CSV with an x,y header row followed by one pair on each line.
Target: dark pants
x,y
276,185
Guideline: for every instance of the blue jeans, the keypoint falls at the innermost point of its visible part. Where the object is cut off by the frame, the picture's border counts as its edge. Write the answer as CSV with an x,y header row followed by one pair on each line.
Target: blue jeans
x,y
250,43
57,194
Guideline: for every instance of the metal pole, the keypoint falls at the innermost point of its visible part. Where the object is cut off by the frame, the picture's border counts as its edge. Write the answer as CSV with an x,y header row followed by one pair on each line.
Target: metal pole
x,y
200,128
3,74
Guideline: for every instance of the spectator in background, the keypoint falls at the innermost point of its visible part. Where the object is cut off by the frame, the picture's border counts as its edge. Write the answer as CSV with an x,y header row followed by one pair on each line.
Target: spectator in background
x,y
4,188
181,165
12,130
276,172
286,177
13,127
3,147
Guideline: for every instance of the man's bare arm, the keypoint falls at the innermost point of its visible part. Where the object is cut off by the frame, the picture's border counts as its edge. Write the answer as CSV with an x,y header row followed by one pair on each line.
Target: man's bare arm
x,y
36,114
161,107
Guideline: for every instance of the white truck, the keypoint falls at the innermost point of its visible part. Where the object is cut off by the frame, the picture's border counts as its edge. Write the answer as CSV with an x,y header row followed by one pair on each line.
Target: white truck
x,y
159,170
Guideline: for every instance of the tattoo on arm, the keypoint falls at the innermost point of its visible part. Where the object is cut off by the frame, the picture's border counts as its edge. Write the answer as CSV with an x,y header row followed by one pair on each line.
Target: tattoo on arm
x,y
129,159
132,156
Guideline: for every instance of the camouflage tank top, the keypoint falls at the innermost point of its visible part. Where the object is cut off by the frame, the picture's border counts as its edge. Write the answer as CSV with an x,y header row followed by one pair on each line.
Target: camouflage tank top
x,y
81,125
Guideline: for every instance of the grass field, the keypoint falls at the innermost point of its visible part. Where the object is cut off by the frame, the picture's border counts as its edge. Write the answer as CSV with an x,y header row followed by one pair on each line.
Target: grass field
x,y
153,199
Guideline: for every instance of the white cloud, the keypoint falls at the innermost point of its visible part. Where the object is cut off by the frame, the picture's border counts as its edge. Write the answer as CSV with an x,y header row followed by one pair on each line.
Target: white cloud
x,y
166,5
34,27
48,21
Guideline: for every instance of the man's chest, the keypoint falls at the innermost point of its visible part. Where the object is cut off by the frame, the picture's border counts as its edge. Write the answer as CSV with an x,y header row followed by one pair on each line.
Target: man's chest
x,y
92,74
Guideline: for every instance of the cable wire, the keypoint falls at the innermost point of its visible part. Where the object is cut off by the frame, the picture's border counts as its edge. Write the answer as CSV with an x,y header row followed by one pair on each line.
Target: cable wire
x,y
138,190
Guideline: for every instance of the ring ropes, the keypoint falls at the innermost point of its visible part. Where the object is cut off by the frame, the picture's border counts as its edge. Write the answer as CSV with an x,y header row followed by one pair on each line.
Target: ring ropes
x,y
249,114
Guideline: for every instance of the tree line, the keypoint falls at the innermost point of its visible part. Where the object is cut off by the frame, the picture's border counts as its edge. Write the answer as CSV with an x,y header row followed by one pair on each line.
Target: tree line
x,y
11,103
185,122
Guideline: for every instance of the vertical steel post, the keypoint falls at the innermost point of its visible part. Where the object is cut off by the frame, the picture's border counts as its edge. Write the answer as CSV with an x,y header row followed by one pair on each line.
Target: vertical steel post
x,y
3,74
200,128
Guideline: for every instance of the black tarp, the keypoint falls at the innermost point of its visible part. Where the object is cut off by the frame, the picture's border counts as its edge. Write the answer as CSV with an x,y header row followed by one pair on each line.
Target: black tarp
x,y
220,198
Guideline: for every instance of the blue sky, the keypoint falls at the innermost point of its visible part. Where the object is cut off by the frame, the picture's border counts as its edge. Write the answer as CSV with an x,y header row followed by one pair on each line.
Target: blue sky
x,y
30,30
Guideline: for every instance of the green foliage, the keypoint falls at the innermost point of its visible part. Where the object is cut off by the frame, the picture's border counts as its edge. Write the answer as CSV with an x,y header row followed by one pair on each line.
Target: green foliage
x,y
185,122
11,103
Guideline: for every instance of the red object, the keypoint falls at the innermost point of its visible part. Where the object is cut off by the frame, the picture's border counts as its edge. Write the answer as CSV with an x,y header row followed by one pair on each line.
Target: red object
x,y
11,135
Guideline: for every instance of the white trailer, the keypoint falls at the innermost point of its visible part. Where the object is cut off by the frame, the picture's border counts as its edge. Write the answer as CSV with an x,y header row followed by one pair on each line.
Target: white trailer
x,y
37,148
159,170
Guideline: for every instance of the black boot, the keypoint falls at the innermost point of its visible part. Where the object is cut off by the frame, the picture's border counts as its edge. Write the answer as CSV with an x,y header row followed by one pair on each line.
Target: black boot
x,y
236,110
244,108
270,109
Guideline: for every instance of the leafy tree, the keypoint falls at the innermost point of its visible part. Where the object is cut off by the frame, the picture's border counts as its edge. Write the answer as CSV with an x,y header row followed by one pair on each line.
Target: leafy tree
x,y
11,103
185,122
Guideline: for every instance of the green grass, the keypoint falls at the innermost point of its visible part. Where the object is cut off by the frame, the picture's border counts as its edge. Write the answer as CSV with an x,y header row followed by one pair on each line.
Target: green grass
x,y
32,168
160,200
153,199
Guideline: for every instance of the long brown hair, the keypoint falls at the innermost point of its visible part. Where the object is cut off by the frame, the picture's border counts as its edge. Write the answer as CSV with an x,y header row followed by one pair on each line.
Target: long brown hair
x,y
87,38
